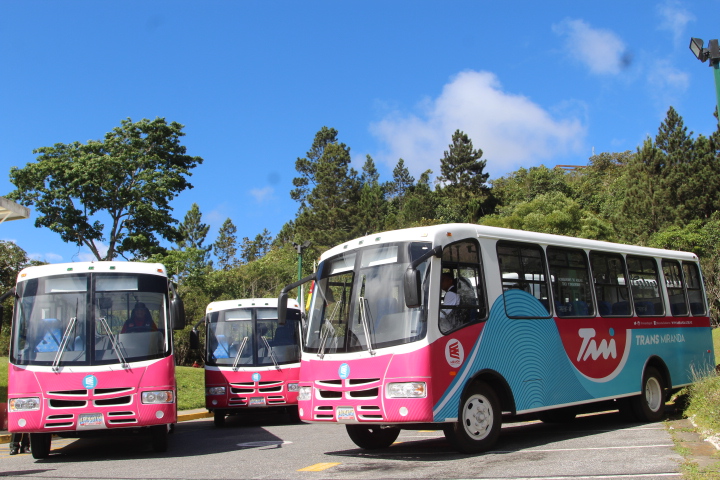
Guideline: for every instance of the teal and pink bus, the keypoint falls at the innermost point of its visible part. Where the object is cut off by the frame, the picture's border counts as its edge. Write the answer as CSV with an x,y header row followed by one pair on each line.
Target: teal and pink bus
x,y
524,323
92,352
251,362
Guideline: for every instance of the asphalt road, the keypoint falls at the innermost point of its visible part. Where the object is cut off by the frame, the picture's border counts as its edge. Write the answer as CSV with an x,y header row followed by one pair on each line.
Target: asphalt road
x,y
599,446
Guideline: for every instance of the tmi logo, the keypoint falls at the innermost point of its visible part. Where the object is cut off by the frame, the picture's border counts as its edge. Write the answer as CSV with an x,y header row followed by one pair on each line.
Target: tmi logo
x,y
590,348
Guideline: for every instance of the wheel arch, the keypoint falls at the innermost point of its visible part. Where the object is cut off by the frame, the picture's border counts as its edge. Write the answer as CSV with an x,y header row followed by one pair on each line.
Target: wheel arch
x,y
662,368
499,385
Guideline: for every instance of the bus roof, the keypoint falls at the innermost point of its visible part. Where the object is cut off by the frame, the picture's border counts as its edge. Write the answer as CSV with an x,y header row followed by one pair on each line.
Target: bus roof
x,y
248,303
451,232
96,267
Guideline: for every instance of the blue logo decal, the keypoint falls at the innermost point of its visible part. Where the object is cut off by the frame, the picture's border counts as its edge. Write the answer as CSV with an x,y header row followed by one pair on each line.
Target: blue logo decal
x,y
256,377
344,371
90,382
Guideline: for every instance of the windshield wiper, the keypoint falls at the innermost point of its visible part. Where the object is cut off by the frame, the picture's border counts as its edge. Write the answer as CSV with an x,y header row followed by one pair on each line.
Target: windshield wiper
x,y
240,350
326,333
272,353
363,317
113,342
63,344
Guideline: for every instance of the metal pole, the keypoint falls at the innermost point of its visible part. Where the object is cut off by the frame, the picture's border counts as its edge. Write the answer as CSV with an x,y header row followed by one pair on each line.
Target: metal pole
x,y
716,71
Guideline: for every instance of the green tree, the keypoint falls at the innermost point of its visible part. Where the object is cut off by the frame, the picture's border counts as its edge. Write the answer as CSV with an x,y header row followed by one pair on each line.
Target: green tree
x,y
251,250
327,190
465,196
129,177
193,233
225,246
372,206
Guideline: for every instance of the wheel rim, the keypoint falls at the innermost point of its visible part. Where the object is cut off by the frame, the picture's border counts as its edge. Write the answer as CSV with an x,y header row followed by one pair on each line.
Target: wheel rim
x,y
653,394
477,417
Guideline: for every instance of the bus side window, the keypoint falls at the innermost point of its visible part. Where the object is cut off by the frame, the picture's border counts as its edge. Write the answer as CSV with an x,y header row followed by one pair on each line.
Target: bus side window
x,y
570,278
645,286
693,284
611,285
675,287
522,267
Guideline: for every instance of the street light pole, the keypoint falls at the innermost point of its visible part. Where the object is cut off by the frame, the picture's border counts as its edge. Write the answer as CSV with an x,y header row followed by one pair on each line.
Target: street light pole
x,y
300,248
711,53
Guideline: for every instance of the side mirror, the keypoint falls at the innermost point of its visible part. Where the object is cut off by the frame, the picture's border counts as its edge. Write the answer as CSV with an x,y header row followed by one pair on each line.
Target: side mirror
x,y
194,339
1,317
282,308
177,310
411,287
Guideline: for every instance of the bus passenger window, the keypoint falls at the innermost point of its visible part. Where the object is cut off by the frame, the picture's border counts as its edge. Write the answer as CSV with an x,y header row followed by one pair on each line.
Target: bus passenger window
x,y
694,287
522,267
611,285
645,286
570,279
675,287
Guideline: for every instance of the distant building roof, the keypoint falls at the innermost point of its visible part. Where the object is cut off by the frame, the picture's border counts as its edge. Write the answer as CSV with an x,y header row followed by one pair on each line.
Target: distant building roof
x,y
10,210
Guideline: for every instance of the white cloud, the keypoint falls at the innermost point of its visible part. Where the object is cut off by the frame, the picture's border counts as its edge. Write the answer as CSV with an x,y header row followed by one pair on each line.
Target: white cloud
x,y
262,194
510,129
674,18
46,257
666,83
602,51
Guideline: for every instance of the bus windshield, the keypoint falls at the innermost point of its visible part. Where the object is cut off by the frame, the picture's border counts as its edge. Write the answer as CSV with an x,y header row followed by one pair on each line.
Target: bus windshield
x,y
359,304
248,337
90,319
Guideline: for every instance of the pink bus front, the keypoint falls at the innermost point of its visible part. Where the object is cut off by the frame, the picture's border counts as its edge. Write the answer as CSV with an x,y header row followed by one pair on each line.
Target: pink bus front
x,y
92,351
251,362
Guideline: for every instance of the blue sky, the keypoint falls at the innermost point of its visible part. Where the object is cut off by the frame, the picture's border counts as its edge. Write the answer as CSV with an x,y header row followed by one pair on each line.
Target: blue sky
x,y
530,82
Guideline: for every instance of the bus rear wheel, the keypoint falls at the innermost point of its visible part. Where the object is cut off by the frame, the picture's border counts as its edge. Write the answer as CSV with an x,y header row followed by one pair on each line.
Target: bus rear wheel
x,y
649,406
479,420
40,445
372,437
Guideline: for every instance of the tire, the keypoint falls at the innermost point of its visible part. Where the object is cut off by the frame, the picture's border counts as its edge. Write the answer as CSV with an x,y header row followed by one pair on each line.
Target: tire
x,y
40,445
558,415
159,435
294,414
649,406
479,420
372,437
219,418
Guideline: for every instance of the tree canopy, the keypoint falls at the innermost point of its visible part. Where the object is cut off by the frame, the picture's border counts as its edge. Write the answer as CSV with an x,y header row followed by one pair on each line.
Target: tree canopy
x,y
127,179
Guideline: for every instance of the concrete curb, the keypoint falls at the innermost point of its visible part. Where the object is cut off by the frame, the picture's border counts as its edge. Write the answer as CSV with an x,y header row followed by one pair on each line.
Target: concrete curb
x,y
182,417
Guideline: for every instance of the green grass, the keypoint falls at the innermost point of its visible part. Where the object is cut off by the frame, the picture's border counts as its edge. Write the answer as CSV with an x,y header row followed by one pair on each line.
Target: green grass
x,y
190,383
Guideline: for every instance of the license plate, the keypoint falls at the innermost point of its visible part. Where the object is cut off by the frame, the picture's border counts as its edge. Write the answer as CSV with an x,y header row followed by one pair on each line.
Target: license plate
x,y
257,401
345,414
88,420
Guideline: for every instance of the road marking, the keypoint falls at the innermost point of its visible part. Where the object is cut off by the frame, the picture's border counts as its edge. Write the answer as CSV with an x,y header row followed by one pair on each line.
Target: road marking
x,y
318,467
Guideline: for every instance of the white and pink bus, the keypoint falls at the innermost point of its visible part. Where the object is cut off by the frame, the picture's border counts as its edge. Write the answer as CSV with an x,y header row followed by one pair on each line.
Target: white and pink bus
x,y
527,323
92,352
251,362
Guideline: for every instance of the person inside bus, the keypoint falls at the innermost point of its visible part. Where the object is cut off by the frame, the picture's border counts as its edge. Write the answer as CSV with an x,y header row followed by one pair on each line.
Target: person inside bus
x,y
448,320
140,320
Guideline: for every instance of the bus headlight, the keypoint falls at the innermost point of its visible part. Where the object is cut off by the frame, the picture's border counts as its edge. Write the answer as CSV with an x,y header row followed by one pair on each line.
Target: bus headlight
x,y
406,390
24,404
293,387
304,393
215,391
159,396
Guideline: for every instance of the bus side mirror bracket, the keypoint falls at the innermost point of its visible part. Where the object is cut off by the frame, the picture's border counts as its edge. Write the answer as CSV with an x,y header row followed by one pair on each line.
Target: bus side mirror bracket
x,y
412,283
2,299
282,298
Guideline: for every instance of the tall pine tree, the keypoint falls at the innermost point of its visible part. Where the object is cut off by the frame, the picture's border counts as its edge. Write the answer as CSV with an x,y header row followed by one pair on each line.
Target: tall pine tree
x,y
225,246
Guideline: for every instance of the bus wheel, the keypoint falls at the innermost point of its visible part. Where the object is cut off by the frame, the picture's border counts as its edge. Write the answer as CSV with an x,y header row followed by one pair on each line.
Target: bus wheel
x,y
159,435
40,445
372,437
479,420
649,406
219,418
